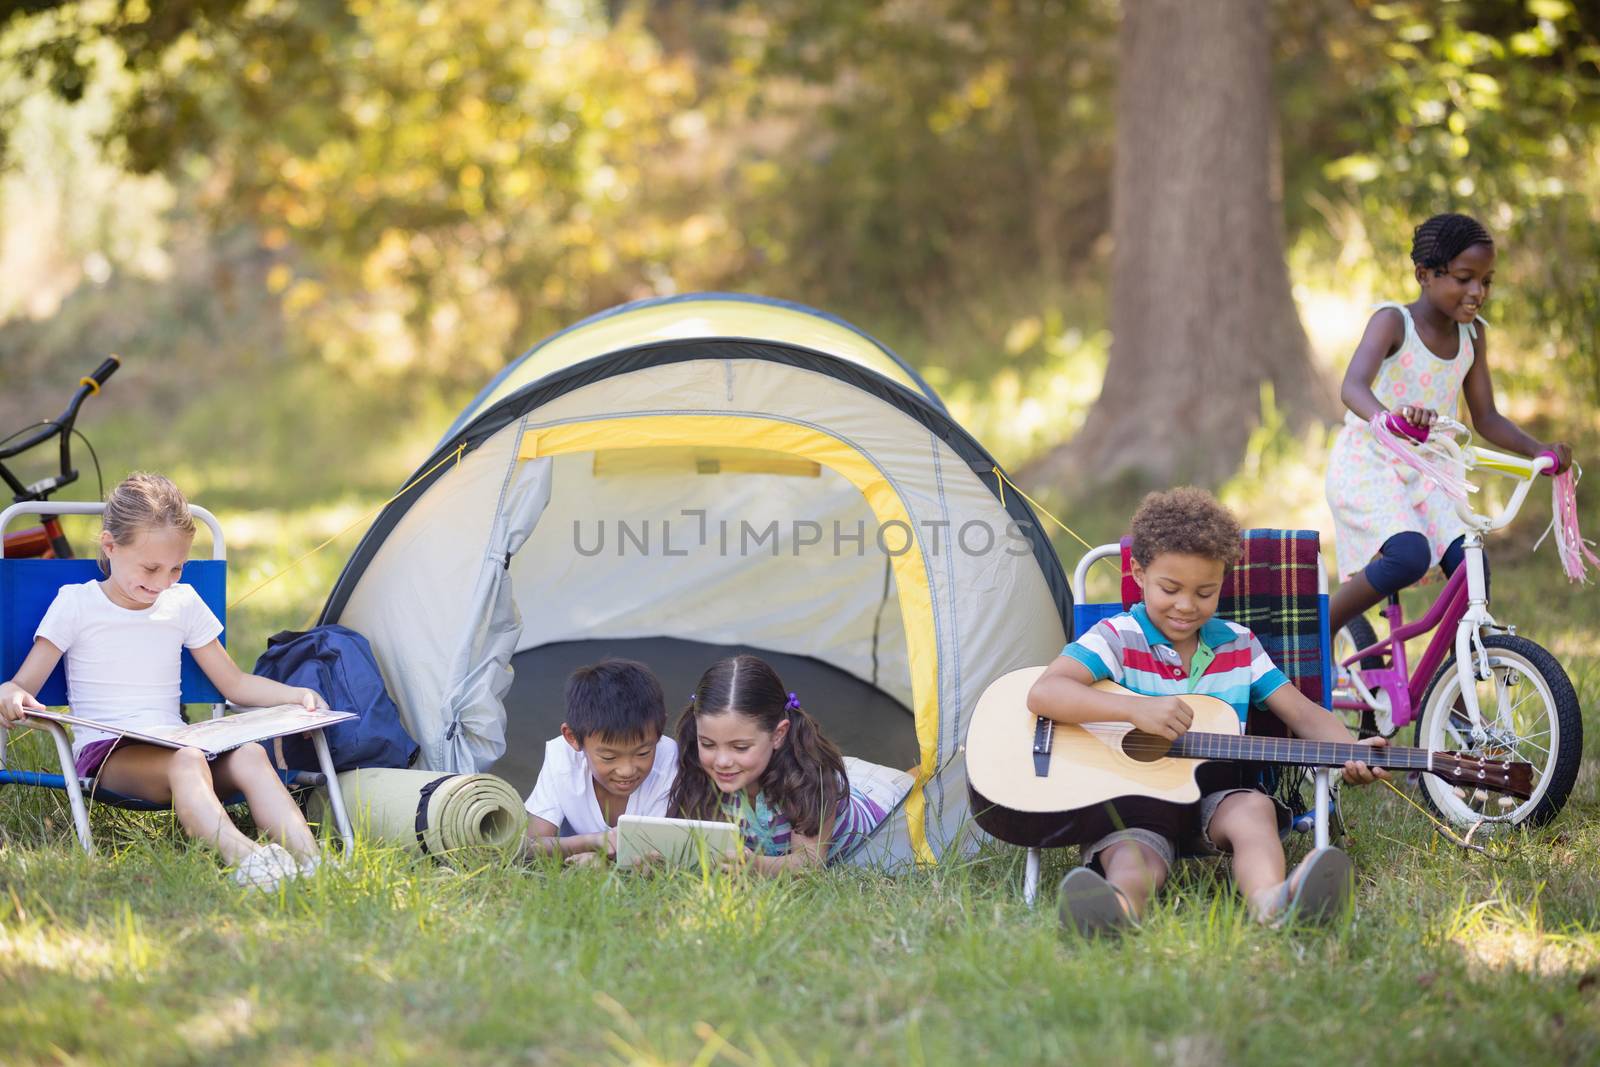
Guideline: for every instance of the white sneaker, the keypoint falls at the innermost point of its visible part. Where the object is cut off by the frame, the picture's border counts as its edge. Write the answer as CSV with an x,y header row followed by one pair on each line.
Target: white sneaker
x,y
265,868
309,865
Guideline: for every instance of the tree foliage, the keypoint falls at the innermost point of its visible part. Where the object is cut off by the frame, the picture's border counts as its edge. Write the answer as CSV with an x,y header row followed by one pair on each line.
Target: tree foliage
x,y
1408,108
440,183
935,146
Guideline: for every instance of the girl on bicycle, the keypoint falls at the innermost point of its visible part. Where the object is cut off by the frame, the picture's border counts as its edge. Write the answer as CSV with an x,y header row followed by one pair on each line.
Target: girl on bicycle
x,y
123,637
1414,362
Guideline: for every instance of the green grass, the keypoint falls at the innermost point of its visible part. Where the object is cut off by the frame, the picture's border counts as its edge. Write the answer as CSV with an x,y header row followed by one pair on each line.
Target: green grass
x,y
146,954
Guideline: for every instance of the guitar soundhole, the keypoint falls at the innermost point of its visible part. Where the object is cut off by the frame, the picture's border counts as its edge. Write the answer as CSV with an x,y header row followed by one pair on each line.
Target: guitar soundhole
x,y
1145,748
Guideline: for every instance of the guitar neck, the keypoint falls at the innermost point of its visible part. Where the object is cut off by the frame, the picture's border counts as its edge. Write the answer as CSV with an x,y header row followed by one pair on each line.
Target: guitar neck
x,y
1297,750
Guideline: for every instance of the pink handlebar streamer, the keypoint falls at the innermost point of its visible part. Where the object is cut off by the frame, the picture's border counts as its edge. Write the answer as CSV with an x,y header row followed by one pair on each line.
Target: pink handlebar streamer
x,y
1572,549
1406,450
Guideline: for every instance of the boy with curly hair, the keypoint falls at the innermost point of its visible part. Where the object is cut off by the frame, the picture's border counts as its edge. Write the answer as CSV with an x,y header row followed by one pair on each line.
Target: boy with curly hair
x,y
1169,645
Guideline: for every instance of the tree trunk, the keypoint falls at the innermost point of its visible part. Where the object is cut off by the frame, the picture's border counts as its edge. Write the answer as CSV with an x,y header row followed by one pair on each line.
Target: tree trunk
x,y
1201,311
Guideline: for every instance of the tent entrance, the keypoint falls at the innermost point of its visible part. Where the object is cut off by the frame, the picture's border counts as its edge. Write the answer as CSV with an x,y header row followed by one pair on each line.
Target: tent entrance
x,y
790,440
861,720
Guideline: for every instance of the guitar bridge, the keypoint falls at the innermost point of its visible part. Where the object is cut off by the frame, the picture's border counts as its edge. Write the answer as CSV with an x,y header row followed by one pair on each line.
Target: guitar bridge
x,y
1044,732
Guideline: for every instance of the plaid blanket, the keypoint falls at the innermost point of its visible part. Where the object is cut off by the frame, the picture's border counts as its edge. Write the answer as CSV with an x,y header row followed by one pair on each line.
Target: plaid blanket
x,y
1273,592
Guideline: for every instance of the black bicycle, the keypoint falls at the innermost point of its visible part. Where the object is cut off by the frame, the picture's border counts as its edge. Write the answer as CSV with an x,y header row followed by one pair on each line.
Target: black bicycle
x,y
47,541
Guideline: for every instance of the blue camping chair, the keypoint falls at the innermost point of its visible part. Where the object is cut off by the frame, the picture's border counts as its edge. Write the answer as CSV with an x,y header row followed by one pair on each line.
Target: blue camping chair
x,y
1280,591
27,587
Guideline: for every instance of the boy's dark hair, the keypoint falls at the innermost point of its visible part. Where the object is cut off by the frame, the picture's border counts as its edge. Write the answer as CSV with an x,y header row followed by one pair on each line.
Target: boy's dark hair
x,y
617,699
1444,237
1187,521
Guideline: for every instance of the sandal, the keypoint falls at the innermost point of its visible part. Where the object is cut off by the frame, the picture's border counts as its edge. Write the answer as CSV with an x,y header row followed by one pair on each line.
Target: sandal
x,y
1321,892
1092,905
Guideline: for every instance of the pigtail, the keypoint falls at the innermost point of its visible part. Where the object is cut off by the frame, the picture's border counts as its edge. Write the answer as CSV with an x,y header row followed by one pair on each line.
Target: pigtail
x,y
806,778
694,795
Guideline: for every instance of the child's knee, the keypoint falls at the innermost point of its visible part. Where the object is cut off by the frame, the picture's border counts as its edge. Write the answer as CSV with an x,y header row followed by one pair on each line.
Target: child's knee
x,y
1134,856
1402,561
1243,815
252,756
188,765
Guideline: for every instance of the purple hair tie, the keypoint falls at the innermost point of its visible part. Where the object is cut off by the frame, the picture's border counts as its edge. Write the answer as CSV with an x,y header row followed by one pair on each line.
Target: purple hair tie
x,y
794,703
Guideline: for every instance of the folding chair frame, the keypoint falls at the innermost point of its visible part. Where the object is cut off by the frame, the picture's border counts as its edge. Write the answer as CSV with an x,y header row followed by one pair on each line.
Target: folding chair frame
x,y
1321,788
69,781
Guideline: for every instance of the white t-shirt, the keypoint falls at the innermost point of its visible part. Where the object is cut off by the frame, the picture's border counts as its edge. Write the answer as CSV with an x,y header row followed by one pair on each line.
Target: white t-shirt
x,y
565,789
123,665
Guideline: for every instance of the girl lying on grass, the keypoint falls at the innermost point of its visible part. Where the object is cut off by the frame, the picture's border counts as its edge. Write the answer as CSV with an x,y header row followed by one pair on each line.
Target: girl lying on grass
x,y
123,637
748,753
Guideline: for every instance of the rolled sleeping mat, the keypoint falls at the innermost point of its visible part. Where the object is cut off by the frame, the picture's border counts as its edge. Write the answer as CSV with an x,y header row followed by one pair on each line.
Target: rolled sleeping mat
x,y
451,816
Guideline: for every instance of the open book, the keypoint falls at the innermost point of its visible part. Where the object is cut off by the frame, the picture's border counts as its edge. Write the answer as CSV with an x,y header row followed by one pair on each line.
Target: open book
x,y
216,735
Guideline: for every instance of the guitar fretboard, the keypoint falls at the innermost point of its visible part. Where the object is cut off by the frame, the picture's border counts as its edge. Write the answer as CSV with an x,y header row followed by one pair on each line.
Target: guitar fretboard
x,y
1296,750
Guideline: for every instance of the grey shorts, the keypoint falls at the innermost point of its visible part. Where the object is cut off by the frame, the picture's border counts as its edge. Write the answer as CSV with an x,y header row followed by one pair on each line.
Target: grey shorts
x,y
1166,829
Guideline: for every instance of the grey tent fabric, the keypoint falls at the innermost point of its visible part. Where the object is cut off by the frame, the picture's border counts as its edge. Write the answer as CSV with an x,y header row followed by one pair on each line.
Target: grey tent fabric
x,y
724,474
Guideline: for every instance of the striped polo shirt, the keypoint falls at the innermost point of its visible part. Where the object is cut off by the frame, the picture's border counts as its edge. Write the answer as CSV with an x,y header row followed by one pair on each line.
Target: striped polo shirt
x,y
1229,663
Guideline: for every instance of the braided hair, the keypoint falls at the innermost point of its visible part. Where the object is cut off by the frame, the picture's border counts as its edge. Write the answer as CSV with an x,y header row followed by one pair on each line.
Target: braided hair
x,y
1444,237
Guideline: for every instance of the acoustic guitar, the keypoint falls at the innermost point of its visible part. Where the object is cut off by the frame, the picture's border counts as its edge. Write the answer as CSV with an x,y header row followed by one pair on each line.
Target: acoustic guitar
x,y
1028,776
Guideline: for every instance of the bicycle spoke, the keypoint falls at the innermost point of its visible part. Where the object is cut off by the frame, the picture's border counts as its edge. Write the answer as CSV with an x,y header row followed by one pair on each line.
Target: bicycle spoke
x,y
1525,743
1507,715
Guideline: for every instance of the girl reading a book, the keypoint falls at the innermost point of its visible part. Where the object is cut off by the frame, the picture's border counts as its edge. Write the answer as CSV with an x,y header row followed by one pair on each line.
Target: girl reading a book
x,y
123,638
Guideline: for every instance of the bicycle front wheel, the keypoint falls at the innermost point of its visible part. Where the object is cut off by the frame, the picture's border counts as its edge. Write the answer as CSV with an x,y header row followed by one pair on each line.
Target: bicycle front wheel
x,y
1530,711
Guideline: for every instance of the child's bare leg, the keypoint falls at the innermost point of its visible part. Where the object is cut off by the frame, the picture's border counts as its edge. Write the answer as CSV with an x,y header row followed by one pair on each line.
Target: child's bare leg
x,y
1354,596
248,769
1136,870
182,778
1246,825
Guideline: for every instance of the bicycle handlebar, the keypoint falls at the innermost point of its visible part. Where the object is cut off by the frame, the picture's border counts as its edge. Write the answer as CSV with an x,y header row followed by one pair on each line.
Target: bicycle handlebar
x,y
106,369
1444,434
60,426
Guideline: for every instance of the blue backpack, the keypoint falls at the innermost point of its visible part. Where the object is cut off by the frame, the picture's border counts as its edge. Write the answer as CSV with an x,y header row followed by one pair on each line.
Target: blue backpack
x,y
338,663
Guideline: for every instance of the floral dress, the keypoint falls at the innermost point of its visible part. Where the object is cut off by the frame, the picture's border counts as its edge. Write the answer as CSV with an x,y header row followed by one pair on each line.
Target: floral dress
x,y
1373,497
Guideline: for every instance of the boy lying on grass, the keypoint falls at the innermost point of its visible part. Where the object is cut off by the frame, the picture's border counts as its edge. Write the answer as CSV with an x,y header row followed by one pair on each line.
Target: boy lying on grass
x,y
611,759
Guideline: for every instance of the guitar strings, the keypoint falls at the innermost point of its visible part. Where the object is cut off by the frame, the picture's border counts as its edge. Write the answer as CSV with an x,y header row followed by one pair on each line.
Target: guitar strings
x,y
1202,745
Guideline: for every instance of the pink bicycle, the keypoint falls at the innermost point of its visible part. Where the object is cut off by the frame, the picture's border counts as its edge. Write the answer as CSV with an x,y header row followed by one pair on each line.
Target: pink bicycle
x,y
1479,687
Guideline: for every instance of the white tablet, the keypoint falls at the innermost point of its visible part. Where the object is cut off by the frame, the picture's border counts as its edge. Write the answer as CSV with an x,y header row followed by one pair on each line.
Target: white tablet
x,y
679,842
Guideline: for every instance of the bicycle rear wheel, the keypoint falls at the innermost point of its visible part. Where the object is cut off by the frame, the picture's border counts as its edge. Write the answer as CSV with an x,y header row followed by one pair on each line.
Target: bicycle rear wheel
x,y
1531,713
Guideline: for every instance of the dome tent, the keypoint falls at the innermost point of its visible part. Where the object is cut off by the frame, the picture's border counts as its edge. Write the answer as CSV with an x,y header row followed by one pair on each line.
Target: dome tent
x,y
678,478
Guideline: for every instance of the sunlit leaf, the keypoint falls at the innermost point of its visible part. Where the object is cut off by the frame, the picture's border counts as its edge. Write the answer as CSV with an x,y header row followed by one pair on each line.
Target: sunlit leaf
x,y
1554,10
